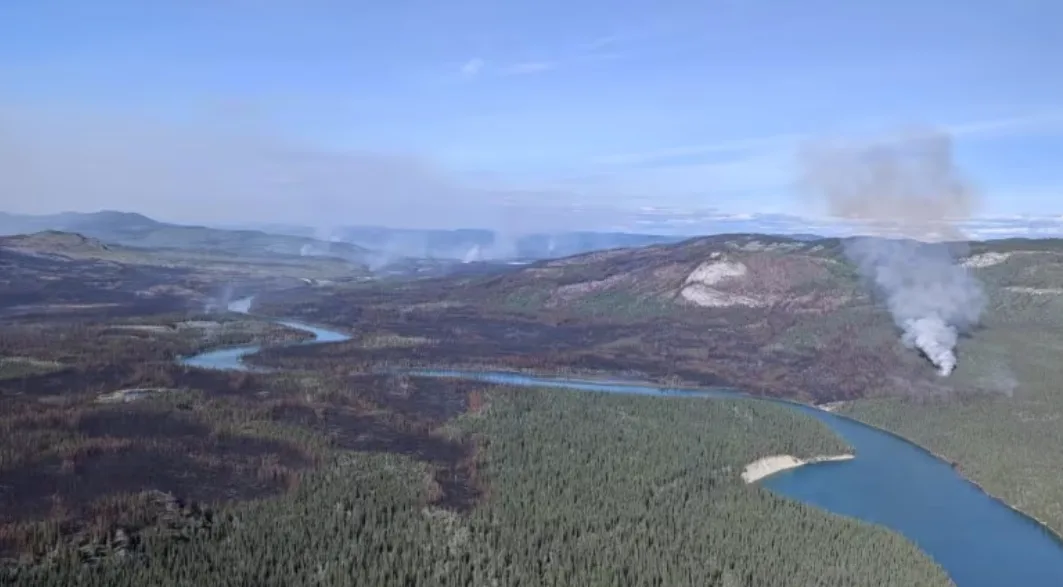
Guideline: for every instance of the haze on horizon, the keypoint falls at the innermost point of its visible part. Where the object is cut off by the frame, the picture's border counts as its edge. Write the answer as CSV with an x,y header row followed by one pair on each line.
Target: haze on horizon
x,y
517,116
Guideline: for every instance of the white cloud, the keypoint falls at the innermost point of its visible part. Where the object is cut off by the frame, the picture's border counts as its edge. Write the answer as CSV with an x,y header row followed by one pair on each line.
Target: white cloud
x,y
727,146
472,67
597,49
757,171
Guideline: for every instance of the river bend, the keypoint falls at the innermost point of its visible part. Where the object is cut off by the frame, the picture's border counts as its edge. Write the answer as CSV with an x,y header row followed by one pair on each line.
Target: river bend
x,y
977,539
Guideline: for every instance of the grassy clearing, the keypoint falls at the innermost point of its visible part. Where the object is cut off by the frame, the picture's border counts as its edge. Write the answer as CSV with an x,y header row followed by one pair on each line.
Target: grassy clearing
x,y
18,367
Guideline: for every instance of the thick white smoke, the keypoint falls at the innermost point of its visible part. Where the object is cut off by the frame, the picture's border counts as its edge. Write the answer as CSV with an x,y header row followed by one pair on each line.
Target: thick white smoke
x,y
905,187
931,297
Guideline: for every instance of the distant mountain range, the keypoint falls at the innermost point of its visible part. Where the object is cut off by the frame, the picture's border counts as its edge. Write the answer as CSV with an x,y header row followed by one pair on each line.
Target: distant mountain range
x,y
474,244
136,230
381,247
655,226
708,222
374,245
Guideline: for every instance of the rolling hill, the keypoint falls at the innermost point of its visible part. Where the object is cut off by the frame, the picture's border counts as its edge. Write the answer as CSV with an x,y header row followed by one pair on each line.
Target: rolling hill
x,y
64,271
135,230
769,315
772,315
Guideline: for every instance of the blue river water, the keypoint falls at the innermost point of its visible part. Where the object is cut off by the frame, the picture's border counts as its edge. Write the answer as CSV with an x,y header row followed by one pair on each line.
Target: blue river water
x,y
231,358
978,540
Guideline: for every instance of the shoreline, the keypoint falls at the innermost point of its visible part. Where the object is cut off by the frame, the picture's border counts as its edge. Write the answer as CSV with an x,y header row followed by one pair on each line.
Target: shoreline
x,y
834,408
837,410
1037,521
234,308
958,468
767,466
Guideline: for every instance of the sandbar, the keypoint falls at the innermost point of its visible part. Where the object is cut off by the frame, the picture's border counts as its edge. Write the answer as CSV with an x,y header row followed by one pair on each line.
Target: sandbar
x,y
766,466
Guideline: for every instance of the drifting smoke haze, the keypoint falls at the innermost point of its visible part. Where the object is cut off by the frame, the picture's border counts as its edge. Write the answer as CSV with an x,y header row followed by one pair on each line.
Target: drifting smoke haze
x,y
907,192
221,302
208,171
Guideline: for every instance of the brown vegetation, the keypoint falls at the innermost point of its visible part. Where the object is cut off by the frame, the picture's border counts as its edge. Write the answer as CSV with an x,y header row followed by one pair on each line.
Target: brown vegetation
x,y
773,351
82,460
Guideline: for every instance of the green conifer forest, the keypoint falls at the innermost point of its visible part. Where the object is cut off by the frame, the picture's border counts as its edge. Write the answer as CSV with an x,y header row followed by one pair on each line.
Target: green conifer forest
x,y
575,489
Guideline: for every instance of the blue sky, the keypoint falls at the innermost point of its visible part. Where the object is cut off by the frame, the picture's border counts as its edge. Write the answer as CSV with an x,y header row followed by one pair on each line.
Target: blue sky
x,y
446,111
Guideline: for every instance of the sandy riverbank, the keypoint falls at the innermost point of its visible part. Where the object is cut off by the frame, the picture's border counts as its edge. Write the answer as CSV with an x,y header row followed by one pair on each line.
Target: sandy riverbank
x,y
831,406
761,468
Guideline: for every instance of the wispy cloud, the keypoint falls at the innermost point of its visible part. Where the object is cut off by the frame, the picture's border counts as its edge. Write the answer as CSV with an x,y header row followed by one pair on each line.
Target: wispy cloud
x,y
1044,122
472,67
754,173
608,41
51,161
597,49
528,67
746,145
1051,121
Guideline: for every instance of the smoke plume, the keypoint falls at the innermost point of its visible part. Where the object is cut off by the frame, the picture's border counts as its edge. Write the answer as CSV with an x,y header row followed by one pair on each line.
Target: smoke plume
x,y
906,191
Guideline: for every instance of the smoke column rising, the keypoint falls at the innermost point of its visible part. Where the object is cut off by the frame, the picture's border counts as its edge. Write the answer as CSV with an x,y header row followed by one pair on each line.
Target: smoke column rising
x,y
908,187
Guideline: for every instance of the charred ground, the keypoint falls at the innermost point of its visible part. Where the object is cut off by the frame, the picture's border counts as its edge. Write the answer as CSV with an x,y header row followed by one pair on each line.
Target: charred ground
x,y
104,431
62,272
770,315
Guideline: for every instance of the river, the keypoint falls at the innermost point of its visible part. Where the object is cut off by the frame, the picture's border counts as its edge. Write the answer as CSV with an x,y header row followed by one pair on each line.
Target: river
x,y
978,540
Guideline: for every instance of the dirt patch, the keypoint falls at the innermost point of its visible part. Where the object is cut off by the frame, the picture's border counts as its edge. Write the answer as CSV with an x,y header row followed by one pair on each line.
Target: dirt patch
x,y
459,481
149,328
385,340
130,395
1036,291
985,260
475,401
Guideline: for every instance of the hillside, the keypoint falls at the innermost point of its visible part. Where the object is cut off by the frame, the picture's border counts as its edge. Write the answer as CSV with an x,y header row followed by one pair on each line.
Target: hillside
x,y
764,313
769,315
388,251
728,271
54,271
54,242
